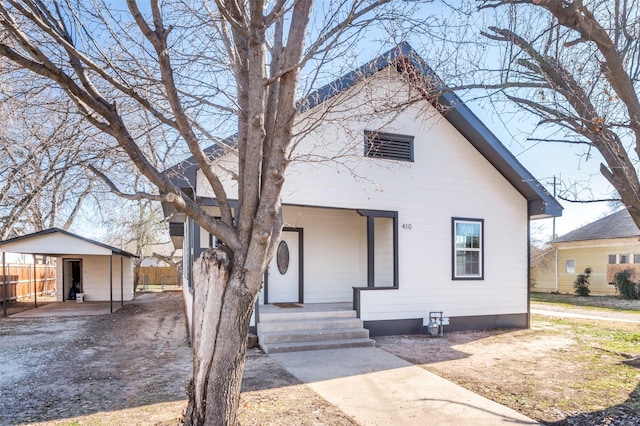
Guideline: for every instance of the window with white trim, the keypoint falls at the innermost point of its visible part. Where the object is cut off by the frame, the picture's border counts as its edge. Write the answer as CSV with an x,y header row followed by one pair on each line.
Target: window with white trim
x,y
570,266
468,245
624,258
613,259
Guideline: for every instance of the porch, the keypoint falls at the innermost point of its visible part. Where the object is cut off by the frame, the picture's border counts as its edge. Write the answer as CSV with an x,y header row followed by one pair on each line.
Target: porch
x,y
324,253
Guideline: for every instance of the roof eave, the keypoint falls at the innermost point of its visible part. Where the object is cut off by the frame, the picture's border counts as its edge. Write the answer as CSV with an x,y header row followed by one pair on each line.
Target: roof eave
x,y
541,204
114,250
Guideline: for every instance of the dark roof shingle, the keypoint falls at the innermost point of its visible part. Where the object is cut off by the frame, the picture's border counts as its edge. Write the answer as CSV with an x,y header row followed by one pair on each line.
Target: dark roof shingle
x,y
616,225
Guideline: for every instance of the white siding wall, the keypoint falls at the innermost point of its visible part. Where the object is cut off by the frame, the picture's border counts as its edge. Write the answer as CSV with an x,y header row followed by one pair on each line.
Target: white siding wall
x,y
448,178
95,278
333,249
383,259
56,243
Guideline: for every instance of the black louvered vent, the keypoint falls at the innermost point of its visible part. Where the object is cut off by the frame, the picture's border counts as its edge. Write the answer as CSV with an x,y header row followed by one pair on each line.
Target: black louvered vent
x,y
388,146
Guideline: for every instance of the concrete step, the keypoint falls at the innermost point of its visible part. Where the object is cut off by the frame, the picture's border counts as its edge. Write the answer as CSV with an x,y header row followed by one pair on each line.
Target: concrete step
x,y
313,335
301,315
309,324
312,346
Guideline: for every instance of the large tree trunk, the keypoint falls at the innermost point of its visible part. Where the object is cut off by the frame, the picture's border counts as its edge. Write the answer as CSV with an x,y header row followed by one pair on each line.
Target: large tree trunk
x,y
221,313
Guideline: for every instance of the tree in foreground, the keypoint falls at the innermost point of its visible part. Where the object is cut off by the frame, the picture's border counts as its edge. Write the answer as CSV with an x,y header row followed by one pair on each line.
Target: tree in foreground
x,y
575,65
167,78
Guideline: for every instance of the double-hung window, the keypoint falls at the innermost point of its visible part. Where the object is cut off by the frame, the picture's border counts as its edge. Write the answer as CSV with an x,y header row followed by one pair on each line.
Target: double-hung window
x,y
468,246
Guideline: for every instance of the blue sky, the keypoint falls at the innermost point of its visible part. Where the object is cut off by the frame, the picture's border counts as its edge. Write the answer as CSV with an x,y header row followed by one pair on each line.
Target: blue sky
x,y
544,160
547,159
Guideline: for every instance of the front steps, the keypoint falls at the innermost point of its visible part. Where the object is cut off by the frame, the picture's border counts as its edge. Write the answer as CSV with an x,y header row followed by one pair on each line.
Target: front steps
x,y
306,329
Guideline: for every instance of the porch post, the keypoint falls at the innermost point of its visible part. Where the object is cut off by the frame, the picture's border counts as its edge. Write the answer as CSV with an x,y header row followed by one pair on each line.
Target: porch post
x,y
371,258
111,282
35,281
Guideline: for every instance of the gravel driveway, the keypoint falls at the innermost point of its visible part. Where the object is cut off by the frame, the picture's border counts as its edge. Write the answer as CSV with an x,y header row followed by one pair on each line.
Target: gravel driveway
x,y
55,368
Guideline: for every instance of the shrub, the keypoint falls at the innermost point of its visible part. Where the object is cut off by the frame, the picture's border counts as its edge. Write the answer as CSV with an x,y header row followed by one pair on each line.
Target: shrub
x,y
581,284
623,281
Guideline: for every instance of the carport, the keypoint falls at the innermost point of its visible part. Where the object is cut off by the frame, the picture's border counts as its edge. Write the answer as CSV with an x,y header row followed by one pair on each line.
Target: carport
x,y
83,266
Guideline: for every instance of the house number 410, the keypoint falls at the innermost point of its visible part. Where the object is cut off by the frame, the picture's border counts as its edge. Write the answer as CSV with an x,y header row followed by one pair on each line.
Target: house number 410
x,y
407,226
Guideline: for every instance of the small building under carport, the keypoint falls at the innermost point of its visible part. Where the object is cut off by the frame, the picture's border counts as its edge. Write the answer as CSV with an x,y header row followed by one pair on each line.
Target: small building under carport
x,y
99,271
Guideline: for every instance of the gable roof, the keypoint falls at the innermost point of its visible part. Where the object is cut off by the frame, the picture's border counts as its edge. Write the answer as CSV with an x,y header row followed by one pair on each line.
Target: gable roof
x,y
616,225
540,202
33,244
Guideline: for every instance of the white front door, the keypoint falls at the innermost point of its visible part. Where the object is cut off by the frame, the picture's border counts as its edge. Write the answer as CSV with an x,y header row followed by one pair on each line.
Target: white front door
x,y
283,283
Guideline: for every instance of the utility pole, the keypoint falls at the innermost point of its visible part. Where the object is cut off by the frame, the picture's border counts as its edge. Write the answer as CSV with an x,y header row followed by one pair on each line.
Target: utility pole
x,y
553,235
555,192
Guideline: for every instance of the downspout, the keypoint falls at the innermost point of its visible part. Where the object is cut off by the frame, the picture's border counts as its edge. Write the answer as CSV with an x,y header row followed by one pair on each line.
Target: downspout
x,y
557,290
35,281
121,281
4,285
528,272
111,282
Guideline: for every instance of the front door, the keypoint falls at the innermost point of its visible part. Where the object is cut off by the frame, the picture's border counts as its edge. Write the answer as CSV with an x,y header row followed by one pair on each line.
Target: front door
x,y
71,278
284,275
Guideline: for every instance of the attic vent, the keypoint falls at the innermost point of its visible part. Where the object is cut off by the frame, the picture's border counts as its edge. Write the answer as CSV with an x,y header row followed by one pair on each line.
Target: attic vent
x,y
388,146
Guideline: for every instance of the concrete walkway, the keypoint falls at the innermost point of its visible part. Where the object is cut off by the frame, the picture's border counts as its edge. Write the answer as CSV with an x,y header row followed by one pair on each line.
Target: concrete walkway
x,y
378,388
68,309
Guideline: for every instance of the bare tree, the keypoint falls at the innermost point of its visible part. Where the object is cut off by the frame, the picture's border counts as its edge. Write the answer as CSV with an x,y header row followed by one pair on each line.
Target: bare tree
x,y
139,227
574,64
189,71
44,181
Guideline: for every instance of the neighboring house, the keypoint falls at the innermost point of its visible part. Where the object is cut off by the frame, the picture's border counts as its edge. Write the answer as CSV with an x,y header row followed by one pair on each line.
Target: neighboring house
x,y
607,246
397,214
99,271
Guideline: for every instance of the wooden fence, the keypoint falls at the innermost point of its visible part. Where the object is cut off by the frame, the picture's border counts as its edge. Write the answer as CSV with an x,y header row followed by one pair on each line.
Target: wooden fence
x,y
19,280
613,269
156,276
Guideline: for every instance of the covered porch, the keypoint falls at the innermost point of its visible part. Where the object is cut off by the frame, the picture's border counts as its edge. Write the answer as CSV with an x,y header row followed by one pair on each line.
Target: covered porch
x,y
325,253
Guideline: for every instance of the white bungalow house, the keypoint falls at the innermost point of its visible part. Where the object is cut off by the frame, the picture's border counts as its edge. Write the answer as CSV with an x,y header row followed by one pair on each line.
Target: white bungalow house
x,y
397,203
99,271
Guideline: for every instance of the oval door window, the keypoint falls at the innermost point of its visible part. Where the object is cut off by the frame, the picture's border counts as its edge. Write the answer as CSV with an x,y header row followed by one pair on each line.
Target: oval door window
x,y
282,257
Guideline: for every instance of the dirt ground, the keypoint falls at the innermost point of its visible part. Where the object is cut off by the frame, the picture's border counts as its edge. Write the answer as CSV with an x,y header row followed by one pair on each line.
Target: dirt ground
x,y
561,371
60,368
131,368
25,303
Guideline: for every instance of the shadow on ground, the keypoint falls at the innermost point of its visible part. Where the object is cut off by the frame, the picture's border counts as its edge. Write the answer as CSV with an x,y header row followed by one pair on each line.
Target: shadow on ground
x,y
624,414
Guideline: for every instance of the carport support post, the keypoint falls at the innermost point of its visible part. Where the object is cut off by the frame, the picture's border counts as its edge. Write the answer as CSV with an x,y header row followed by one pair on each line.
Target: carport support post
x,y
35,281
121,281
4,285
111,282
